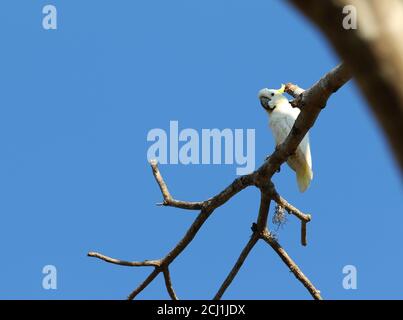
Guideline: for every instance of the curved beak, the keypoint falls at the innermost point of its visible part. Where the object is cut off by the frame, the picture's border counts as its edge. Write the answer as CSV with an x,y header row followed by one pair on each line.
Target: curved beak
x,y
264,101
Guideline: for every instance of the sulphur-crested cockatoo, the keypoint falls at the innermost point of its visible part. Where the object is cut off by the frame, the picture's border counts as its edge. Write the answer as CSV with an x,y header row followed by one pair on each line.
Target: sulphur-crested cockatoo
x,y
281,119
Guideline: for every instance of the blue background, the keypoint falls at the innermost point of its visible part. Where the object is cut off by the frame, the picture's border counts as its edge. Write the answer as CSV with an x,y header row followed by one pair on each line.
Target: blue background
x,y
76,105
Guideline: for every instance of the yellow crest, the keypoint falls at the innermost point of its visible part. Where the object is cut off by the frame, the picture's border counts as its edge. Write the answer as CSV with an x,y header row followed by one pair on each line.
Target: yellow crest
x,y
281,90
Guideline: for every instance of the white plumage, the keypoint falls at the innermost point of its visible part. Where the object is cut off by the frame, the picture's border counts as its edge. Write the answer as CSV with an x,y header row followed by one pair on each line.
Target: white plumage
x,y
281,119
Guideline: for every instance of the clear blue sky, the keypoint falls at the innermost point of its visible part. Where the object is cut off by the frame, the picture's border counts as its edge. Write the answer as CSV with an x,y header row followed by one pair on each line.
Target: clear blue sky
x,y
76,105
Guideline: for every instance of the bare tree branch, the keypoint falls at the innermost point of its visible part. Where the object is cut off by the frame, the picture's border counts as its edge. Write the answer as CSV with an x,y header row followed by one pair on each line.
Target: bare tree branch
x,y
264,207
256,228
168,200
266,236
234,271
311,103
305,218
147,263
293,90
373,51
304,242
236,186
144,284
289,207
168,284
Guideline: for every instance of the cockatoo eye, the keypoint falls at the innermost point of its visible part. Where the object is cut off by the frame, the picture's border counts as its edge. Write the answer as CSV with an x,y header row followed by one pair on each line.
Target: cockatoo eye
x,y
272,94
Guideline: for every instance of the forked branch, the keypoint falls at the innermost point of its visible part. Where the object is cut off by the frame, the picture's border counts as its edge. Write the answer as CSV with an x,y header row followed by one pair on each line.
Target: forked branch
x,y
311,102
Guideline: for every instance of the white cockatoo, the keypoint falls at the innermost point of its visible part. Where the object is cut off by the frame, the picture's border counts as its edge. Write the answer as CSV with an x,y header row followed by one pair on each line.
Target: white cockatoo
x,y
281,119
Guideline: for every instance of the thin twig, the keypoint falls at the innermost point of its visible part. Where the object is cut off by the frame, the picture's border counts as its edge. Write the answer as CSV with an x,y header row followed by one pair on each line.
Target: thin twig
x,y
267,237
304,241
264,207
147,263
234,271
144,284
168,200
289,207
168,284
305,218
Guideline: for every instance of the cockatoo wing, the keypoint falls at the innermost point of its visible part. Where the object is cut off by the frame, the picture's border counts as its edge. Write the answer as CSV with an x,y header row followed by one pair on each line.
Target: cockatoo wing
x,y
301,162
280,125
